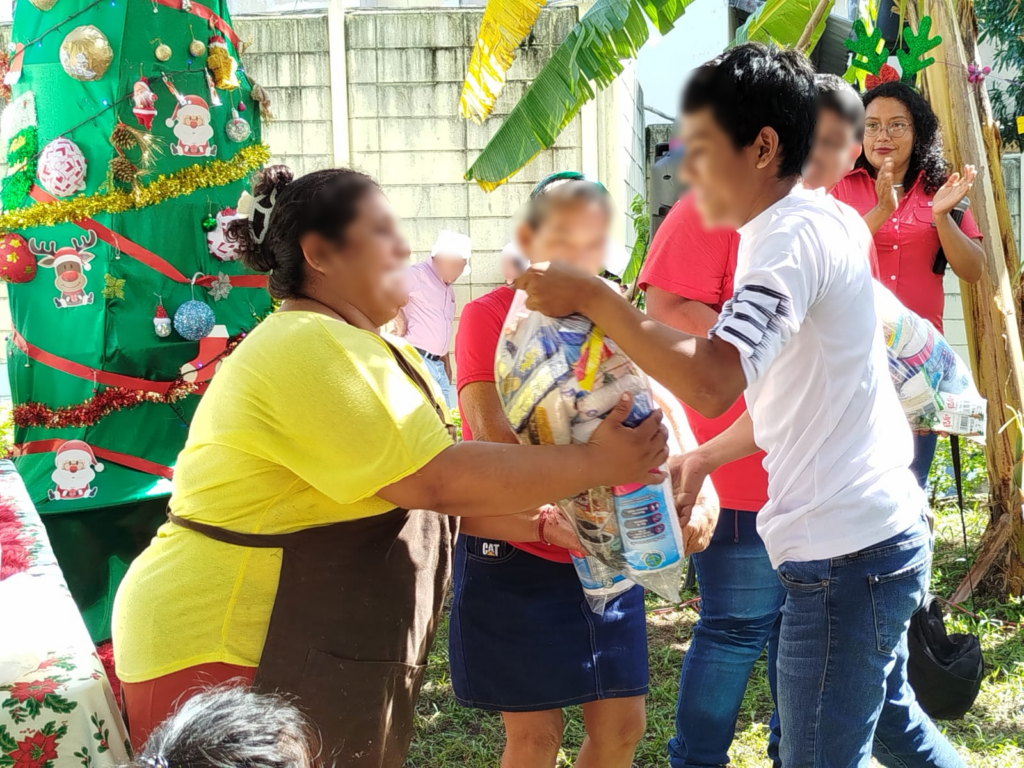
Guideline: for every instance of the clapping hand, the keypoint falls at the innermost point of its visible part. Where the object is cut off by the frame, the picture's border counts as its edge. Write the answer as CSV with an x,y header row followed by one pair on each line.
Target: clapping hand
x,y
885,187
953,191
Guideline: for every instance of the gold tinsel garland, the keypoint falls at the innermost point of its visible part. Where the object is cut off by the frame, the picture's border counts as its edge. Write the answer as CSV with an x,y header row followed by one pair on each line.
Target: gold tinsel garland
x,y
164,187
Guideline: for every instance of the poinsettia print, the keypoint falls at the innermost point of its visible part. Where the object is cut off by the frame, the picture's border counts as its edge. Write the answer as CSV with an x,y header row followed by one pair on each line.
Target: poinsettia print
x,y
28,699
35,750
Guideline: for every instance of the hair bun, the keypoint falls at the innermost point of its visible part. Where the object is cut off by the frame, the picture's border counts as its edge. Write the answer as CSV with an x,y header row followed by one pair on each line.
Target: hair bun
x,y
258,256
273,178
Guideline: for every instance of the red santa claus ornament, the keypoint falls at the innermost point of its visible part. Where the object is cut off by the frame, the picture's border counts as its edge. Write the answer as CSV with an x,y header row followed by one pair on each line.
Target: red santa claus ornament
x,y
191,124
76,468
145,100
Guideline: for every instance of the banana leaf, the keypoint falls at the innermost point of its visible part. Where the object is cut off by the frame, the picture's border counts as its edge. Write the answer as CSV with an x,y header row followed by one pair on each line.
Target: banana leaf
x,y
780,23
505,25
590,58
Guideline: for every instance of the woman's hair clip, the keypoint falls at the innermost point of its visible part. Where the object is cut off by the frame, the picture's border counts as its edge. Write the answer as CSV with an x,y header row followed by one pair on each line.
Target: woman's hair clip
x,y
557,179
258,211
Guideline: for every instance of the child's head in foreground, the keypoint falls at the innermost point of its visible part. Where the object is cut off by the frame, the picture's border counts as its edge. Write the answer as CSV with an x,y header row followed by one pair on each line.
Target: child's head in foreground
x,y
567,220
232,727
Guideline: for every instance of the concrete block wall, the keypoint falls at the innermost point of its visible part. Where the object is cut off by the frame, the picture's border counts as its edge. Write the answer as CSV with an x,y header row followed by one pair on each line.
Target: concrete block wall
x,y
289,57
405,71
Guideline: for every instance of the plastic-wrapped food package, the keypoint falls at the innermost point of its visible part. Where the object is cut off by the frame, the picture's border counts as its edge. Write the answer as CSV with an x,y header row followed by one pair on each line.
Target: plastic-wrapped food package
x,y
934,385
557,379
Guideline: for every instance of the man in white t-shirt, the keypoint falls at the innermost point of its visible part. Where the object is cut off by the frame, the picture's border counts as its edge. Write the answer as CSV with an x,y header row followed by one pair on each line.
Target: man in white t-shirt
x,y
845,525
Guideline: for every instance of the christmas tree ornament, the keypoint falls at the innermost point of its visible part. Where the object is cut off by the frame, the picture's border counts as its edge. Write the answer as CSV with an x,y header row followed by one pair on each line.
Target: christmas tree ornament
x,y
61,169
221,64
17,262
220,287
174,91
69,264
214,96
161,322
241,106
212,351
209,223
217,239
85,53
145,103
197,47
123,170
237,129
113,287
194,320
43,5
262,98
162,50
192,128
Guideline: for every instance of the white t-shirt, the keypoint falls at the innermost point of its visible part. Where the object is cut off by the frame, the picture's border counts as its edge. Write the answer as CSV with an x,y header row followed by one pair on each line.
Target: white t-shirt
x,y
818,390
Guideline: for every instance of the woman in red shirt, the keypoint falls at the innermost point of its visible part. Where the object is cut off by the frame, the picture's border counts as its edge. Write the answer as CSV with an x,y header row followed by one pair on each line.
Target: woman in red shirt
x,y
902,187
522,639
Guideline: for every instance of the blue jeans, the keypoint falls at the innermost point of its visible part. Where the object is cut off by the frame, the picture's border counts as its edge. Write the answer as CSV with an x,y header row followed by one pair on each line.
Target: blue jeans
x,y
739,615
924,454
842,664
440,375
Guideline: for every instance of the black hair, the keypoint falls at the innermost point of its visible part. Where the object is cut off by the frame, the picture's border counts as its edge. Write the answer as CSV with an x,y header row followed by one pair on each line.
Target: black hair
x,y
562,195
926,158
837,95
231,726
325,202
751,87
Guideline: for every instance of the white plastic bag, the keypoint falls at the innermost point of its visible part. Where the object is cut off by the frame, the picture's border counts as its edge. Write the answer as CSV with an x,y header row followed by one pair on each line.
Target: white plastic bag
x,y
557,379
934,385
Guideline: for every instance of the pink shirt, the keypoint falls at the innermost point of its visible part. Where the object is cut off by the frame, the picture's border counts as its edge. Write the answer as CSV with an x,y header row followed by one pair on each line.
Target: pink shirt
x,y
907,243
430,311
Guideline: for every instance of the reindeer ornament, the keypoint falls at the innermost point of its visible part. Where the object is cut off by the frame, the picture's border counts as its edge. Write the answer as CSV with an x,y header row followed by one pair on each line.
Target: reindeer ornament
x,y
69,265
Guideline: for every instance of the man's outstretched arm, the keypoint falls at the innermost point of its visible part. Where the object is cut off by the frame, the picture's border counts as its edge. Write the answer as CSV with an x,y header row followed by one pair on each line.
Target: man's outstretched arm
x,y
706,374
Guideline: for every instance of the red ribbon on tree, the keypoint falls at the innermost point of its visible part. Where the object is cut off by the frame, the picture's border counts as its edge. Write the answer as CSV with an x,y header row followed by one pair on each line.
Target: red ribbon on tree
x,y
206,15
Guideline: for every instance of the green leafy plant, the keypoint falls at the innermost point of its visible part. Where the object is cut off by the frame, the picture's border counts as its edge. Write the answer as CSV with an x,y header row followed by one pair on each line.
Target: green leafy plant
x,y
780,23
641,216
1001,24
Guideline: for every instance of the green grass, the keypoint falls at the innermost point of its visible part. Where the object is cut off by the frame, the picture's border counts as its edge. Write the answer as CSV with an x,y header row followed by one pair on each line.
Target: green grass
x,y
992,734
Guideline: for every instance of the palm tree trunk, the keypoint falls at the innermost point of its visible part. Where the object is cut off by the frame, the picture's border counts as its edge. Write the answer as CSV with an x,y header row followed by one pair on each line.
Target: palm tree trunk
x,y
990,305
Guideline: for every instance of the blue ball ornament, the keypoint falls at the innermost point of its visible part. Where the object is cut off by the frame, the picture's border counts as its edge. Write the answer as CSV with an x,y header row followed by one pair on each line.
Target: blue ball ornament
x,y
194,320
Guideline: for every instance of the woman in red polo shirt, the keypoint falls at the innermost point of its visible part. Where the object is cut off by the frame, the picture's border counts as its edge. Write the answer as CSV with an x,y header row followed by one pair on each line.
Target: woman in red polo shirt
x,y
902,187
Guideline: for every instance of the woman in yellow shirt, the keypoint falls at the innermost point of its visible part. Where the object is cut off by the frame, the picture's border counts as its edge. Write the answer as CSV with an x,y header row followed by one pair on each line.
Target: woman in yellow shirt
x,y
297,552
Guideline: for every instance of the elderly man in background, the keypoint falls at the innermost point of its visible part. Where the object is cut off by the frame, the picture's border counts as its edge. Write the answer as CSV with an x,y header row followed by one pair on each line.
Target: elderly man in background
x,y
426,320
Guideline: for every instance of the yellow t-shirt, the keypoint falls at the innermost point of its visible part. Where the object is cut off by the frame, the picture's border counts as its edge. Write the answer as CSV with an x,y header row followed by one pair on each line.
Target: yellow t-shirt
x,y
304,423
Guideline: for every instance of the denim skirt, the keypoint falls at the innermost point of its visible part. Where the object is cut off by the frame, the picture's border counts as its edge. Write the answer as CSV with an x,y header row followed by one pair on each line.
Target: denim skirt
x,y
523,639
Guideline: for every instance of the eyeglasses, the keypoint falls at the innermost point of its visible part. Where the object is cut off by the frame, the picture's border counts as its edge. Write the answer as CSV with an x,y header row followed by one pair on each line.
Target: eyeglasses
x,y
895,130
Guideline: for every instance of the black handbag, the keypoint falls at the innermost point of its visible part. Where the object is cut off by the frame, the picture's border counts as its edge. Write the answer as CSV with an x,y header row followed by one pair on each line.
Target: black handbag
x,y
944,670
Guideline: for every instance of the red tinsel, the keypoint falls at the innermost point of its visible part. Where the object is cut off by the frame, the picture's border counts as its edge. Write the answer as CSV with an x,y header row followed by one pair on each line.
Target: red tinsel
x,y
106,402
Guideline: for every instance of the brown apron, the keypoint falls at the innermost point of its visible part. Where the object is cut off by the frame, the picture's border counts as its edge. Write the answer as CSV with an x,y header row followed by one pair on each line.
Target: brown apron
x,y
354,617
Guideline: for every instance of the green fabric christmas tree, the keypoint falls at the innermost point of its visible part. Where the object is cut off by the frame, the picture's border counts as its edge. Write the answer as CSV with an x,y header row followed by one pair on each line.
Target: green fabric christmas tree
x,y
131,134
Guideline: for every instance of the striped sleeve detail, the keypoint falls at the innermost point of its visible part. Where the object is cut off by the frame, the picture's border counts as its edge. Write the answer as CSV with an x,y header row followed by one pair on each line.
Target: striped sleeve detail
x,y
752,321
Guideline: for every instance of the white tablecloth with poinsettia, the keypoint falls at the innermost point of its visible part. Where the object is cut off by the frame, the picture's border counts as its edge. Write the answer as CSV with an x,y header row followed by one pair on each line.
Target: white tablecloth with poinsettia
x,y
62,713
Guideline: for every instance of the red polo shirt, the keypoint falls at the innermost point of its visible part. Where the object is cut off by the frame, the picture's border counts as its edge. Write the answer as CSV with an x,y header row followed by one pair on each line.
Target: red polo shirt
x,y
907,243
475,346
699,264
